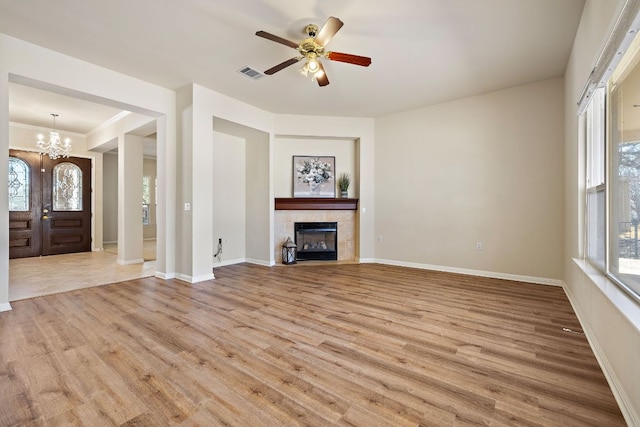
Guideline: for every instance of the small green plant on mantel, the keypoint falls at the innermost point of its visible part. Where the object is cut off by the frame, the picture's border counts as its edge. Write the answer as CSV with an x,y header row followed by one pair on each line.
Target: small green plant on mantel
x,y
344,181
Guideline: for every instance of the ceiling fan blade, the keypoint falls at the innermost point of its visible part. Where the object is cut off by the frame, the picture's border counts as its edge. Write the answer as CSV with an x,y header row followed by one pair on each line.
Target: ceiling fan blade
x,y
276,39
281,66
321,75
328,30
351,59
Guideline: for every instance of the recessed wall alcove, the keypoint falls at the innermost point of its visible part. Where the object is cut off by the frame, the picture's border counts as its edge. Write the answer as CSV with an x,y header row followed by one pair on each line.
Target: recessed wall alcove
x,y
240,193
288,210
243,211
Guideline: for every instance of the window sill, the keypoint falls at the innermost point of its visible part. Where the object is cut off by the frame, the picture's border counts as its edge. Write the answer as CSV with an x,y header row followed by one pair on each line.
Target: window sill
x,y
627,305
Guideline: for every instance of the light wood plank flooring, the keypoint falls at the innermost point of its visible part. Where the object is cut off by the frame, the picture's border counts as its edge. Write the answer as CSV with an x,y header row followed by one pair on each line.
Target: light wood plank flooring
x,y
364,345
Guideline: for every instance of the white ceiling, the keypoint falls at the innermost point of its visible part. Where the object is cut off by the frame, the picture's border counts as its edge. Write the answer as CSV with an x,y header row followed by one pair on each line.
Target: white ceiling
x,y
34,107
424,51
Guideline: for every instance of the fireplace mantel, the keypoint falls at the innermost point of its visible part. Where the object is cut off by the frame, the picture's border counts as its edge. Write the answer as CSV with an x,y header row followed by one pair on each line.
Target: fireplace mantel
x,y
315,203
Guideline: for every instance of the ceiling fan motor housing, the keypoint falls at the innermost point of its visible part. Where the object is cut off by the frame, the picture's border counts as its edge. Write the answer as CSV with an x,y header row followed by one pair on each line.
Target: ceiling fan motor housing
x,y
308,46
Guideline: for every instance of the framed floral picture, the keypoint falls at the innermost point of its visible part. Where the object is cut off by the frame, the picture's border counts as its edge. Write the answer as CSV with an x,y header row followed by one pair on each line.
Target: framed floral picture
x,y
313,176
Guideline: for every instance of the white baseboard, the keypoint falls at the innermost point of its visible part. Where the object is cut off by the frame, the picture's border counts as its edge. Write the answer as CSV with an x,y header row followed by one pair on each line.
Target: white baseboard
x,y
131,261
241,260
183,277
165,276
469,272
202,278
195,279
115,241
480,273
626,407
260,262
624,403
229,262
5,307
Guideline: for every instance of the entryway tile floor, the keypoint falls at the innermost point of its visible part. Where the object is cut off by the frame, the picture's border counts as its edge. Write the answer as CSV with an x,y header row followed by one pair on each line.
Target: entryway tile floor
x,y
38,276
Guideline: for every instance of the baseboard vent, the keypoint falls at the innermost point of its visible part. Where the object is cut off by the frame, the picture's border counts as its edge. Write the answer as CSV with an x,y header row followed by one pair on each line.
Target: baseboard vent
x,y
251,73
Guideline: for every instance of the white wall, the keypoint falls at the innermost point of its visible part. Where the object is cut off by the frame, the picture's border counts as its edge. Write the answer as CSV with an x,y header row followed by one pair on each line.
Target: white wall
x,y
344,151
198,108
610,318
184,186
481,169
110,210
229,191
259,201
130,161
150,168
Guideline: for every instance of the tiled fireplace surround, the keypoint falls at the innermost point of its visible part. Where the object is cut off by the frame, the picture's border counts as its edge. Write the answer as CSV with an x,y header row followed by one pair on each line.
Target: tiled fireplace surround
x,y
346,219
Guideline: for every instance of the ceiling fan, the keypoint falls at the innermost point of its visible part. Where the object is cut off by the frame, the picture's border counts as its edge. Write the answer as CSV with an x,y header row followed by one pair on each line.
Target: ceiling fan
x,y
312,49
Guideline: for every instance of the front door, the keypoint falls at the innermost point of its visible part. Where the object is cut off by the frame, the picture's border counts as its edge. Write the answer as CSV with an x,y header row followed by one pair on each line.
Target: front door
x,y
49,205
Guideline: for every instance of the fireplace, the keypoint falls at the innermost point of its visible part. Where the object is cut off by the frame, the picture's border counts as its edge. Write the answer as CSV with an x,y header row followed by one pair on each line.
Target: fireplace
x,y
316,240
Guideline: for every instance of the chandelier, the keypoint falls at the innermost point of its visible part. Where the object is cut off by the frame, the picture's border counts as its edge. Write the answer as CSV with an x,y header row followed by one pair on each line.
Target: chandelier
x,y
54,147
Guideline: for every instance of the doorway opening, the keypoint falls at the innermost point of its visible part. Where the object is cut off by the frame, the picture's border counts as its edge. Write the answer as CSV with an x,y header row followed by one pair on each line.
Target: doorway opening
x,y
49,204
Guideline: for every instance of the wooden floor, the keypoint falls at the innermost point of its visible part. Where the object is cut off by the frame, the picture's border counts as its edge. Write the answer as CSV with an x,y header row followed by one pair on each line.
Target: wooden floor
x,y
364,345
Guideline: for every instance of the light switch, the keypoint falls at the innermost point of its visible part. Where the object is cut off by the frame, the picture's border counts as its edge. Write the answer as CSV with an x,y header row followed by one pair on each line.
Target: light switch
x,y
187,206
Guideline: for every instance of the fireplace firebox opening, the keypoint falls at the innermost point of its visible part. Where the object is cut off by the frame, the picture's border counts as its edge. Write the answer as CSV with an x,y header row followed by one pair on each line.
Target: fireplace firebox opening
x,y
316,241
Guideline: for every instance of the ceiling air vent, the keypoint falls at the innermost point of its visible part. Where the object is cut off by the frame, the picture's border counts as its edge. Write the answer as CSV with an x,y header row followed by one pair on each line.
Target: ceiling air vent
x,y
251,73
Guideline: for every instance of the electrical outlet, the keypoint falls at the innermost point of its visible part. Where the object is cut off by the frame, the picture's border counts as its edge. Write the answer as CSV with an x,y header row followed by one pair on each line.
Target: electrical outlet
x,y
380,238
479,246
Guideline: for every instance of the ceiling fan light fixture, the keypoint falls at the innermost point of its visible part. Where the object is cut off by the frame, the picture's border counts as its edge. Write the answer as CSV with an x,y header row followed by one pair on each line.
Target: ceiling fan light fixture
x,y
312,64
